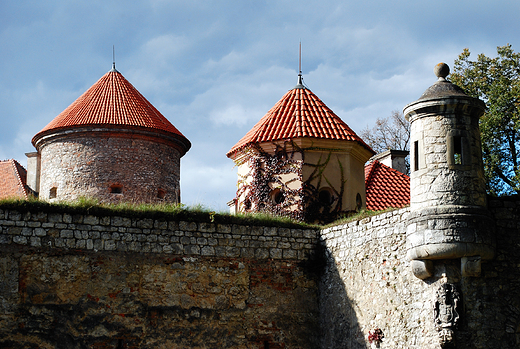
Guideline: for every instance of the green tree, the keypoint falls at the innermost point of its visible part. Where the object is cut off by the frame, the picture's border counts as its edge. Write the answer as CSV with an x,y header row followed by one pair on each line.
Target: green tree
x,y
496,81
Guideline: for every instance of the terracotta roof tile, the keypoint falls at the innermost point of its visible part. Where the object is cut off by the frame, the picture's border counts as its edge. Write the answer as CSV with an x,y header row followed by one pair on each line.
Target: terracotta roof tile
x,y
385,187
300,113
13,179
112,100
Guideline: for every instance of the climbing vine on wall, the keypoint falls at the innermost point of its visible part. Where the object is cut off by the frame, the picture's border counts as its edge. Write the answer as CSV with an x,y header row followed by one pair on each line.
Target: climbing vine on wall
x,y
267,185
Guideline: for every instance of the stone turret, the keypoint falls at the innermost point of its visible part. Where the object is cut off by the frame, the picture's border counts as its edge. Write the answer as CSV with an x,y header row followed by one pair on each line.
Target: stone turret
x,y
110,144
300,160
449,218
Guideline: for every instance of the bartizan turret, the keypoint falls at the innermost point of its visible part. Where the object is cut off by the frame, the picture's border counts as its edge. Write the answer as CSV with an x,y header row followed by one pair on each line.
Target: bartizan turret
x,y
448,214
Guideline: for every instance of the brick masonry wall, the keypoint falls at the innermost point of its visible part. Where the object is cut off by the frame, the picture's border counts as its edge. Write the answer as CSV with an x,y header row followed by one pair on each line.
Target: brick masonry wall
x,y
89,165
82,281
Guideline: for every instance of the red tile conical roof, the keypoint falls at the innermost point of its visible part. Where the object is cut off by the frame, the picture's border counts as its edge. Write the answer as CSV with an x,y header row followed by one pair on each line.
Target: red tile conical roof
x,y
299,114
113,101
385,187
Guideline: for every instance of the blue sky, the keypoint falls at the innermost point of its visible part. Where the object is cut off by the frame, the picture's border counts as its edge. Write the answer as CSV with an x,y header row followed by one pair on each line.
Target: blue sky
x,y
214,68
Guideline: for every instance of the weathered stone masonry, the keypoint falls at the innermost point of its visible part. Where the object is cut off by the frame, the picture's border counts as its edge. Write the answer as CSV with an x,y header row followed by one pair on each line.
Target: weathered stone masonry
x,y
85,281
82,281
368,284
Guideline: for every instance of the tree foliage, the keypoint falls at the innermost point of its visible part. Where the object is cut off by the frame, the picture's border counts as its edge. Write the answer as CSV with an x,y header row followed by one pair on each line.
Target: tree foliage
x,y
392,132
496,81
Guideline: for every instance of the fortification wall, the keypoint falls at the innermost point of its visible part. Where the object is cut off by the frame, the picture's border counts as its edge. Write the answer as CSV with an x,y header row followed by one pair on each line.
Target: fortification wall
x,y
85,281
368,283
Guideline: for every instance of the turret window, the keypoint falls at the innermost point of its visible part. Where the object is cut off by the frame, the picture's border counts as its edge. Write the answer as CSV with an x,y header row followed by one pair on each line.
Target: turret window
x,y
277,196
116,189
325,197
416,155
457,149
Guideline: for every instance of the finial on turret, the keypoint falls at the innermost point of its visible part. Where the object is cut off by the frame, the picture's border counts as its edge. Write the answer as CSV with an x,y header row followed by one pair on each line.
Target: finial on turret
x,y
300,75
441,70
113,60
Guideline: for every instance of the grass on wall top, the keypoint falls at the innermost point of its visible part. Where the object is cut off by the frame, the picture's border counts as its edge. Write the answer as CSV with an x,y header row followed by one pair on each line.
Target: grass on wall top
x,y
162,211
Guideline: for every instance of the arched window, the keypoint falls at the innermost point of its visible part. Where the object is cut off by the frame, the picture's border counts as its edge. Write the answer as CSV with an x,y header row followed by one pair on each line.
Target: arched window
x,y
325,197
359,202
53,192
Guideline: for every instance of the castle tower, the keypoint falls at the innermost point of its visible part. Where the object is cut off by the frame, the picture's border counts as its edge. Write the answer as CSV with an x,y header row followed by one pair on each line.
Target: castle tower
x,y
300,160
449,219
110,144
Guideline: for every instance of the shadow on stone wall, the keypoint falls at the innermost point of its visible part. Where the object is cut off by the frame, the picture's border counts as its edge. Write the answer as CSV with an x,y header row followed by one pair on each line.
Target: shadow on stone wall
x,y
338,319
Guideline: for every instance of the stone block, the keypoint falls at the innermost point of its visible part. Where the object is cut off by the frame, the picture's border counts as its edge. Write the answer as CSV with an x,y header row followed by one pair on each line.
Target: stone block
x,y
422,269
471,266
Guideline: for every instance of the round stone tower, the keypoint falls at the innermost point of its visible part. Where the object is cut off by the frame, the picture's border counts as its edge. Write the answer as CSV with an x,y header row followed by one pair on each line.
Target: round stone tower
x,y
110,144
449,218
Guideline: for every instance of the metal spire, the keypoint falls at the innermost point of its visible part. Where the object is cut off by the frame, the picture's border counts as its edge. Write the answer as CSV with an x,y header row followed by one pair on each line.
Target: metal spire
x,y
113,60
300,76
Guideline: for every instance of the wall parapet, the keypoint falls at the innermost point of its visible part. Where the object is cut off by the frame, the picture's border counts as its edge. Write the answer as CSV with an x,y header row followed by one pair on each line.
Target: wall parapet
x,y
360,232
147,235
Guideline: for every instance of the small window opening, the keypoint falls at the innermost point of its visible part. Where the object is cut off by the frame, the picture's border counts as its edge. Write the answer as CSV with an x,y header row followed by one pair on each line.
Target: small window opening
x,y
116,189
161,194
416,155
53,192
277,196
325,197
457,150
359,201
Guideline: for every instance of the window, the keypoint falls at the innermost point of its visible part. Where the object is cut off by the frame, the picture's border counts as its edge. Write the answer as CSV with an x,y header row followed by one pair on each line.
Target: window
x,y
457,147
457,150
116,189
161,193
416,155
325,197
359,202
53,192
277,196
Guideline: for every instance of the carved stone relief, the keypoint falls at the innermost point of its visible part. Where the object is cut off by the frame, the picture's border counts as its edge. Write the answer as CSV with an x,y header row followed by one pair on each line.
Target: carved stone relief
x,y
447,312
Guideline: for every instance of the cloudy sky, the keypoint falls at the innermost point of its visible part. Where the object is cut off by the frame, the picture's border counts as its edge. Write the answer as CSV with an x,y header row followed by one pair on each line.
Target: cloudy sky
x,y
214,68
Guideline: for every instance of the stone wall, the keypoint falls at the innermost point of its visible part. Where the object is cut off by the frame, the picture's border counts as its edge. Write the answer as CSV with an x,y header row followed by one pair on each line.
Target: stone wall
x,y
368,283
88,165
85,281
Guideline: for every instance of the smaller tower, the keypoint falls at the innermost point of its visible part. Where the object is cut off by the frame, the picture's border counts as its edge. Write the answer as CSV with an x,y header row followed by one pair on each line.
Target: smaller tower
x,y
300,160
449,218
